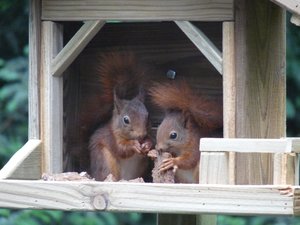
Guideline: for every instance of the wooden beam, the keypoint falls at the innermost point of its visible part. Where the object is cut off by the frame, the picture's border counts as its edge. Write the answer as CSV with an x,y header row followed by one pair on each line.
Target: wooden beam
x,y
25,163
51,100
34,69
229,93
248,145
202,42
150,198
145,10
73,48
291,5
260,83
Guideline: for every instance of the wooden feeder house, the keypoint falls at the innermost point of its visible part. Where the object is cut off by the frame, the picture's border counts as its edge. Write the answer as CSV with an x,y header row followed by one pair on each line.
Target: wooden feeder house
x,y
231,50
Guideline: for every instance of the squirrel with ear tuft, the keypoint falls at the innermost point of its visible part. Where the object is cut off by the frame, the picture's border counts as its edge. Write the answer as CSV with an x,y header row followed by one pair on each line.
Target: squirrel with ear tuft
x,y
119,146
188,117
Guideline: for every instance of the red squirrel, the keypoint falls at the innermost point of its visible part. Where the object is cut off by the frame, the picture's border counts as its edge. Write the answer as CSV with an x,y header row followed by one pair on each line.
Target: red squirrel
x,y
188,118
119,146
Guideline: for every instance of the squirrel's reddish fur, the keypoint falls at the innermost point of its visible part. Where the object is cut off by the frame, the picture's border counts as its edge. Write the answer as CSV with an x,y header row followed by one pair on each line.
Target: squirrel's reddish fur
x,y
119,145
189,117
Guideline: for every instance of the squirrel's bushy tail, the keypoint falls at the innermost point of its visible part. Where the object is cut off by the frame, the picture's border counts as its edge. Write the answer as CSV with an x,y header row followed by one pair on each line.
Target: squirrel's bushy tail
x,y
122,73
178,96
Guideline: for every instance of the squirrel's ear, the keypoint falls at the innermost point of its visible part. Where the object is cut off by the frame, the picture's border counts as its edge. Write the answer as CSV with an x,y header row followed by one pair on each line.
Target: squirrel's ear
x,y
141,94
118,103
185,118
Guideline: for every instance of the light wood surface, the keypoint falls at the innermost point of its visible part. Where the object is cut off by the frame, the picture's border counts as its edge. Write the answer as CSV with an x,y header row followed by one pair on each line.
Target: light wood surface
x,y
146,10
139,197
202,42
25,163
260,83
51,100
73,48
248,145
34,69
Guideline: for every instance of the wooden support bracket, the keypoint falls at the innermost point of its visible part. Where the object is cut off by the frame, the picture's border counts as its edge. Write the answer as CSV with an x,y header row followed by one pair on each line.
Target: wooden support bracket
x,y
73,48
25,163
202,42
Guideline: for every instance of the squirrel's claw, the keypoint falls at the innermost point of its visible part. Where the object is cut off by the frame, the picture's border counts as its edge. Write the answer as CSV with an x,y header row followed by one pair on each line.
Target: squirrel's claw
x,y
152,154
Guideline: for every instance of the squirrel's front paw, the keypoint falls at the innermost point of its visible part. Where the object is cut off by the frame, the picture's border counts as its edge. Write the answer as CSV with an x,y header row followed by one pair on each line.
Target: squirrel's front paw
x,y
137,147
168,164
146,146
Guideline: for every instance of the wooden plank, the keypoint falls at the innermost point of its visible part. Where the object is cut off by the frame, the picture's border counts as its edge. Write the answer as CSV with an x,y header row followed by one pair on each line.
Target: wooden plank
x,y
34,68
25,163
51,100
285,167
73,48
141,197
229,93
260,83
291,5
214,168
202,42
146,10
246,145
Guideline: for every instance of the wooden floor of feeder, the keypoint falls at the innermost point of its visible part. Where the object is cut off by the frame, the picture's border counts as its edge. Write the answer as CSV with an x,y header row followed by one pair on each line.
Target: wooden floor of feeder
x,y
151,198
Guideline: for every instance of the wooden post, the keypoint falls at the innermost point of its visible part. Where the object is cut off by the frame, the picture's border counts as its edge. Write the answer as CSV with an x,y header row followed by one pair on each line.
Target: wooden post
x,y
34,67
260,83
51,99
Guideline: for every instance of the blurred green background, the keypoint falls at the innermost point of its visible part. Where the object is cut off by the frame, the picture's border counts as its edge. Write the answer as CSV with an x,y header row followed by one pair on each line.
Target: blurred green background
x,y
14,112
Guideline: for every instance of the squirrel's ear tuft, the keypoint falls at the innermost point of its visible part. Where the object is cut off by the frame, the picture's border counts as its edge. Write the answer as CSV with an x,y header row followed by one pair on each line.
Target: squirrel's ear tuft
x,y
184,118
118,103
141,94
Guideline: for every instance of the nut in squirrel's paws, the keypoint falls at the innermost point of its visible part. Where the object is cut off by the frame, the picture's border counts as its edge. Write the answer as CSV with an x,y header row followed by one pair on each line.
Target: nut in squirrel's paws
x,y
166,176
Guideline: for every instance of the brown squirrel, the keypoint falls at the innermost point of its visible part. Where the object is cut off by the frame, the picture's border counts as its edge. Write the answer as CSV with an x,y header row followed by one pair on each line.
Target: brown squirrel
x,y
119,146
188,118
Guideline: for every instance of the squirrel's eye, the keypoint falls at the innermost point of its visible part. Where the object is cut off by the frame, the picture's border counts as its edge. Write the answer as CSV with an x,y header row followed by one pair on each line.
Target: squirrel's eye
x,y
126,119
173,135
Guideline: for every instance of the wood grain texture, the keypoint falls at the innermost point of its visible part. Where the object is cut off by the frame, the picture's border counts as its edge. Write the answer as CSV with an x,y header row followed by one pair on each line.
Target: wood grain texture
x,y
25,163
285,167
51,100
138,197
202,42
260,72
229,93
214,168
73,48
146,10
34,68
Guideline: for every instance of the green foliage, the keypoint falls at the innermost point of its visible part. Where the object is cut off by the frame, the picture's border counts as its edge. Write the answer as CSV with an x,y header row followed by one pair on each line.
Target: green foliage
x,y
293,79
51,217
13,27
13,104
